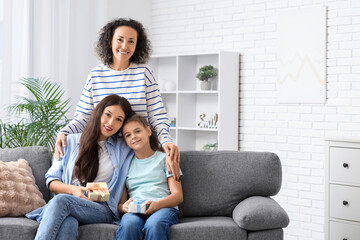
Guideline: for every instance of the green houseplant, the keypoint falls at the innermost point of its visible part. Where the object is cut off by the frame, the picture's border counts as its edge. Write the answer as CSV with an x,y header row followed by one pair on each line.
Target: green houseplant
x,y
205,73
46,116
210,147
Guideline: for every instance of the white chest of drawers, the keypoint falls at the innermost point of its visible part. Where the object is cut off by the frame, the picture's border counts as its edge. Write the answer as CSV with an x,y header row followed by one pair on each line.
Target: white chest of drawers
x,y
342,190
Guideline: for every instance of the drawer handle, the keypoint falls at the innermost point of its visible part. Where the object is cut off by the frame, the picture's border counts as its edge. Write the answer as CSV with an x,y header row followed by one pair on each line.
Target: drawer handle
x,y
345,203
344,239
345,165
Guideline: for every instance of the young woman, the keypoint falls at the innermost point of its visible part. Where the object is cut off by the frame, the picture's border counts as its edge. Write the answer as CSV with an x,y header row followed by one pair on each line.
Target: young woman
x,y
99,154
147,179
124,48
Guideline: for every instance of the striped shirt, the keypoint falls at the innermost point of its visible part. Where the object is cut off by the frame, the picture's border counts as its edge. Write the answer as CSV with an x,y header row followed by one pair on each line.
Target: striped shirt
x,y
136,83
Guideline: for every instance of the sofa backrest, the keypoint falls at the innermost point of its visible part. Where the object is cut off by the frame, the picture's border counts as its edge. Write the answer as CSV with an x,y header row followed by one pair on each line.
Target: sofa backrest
x,y
39,159
215,182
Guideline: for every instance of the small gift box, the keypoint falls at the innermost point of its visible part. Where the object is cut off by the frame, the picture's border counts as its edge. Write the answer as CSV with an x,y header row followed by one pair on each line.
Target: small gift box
x,y
98,192
137,206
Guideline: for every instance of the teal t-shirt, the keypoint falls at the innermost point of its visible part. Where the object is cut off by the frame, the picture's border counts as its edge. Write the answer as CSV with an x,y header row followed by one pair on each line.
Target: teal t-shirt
x,y
147,178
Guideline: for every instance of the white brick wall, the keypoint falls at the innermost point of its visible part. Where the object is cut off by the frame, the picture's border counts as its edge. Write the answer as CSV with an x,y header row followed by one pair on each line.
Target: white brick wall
x,y
295,132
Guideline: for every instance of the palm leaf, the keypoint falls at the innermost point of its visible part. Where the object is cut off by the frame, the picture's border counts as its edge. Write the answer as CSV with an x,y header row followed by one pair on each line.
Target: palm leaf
x,y
17,135
46,111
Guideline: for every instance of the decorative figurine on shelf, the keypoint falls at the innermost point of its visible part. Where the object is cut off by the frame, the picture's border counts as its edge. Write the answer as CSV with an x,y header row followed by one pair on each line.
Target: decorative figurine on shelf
x,y
210,147
203,123
212,123
172,122
205,73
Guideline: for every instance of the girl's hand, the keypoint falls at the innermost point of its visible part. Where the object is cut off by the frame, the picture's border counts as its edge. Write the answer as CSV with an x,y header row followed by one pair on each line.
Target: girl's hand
x,y
78,191
125,206
60,141
153,207
173,159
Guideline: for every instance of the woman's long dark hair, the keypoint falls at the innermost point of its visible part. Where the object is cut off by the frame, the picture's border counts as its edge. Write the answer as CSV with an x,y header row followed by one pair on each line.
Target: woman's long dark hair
x,y
104,48
87,163
154,142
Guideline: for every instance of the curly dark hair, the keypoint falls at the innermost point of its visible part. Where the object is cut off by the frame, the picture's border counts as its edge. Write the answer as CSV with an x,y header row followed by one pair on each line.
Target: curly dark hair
x,y
104,49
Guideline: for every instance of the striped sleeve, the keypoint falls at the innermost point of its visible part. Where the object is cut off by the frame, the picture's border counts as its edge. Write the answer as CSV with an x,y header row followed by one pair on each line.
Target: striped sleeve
x,y
156,112
83,110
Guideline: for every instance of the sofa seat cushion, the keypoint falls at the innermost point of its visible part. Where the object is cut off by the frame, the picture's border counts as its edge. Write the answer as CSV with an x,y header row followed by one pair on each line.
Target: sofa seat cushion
x,y
207,228
18,228
97,231
273,234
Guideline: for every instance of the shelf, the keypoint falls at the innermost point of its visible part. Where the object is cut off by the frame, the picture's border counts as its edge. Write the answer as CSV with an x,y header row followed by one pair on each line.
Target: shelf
x,y
190,92
189,65
191,107
199,92
195,140
165,71
168,92
198,129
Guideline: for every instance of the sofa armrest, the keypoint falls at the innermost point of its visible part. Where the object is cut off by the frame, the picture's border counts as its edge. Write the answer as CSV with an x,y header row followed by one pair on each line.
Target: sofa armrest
x,y
260,213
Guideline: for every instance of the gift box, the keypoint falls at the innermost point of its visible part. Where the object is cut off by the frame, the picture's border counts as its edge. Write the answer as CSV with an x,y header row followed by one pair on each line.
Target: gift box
x,y
98,192
137,206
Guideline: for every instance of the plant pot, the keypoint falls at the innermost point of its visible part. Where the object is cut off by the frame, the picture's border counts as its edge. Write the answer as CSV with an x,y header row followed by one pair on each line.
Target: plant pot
x,y
205,85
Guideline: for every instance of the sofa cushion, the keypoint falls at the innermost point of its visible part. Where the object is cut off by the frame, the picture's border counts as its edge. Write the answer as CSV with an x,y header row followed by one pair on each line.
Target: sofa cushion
x,y
39,159
215,182
97,231
260,213
18,228
207,228
18,193
273,234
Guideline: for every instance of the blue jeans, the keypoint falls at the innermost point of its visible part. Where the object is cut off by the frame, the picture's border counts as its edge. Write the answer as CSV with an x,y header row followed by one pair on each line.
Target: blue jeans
x,y
156,226
64,213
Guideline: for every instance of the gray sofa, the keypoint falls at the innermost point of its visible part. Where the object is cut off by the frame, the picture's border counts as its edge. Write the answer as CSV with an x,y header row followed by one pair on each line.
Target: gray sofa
x,y
226,196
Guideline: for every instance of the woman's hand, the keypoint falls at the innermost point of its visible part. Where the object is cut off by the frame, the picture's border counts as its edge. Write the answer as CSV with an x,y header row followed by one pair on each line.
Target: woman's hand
x,y
173,159
78,191
153,207
60,141
58,186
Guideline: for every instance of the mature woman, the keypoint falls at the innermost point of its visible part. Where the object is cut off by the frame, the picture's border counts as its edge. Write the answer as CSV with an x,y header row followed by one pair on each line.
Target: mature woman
x,y
99,154
124,48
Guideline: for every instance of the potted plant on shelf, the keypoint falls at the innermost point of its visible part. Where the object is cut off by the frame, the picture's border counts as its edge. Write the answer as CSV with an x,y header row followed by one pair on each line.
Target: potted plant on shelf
x,y
205,73
210,147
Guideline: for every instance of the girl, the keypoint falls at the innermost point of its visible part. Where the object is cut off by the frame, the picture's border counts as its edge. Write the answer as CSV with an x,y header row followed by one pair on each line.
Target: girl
x,y
124,48
147,179
96,155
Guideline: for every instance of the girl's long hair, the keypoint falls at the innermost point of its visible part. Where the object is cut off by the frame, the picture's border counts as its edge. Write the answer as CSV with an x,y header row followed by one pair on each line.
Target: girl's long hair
x,y
154,142
87,163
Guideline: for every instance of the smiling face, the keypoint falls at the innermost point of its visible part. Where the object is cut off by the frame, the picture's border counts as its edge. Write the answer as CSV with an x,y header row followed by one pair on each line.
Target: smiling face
x,y
137,136
123,45
111,121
